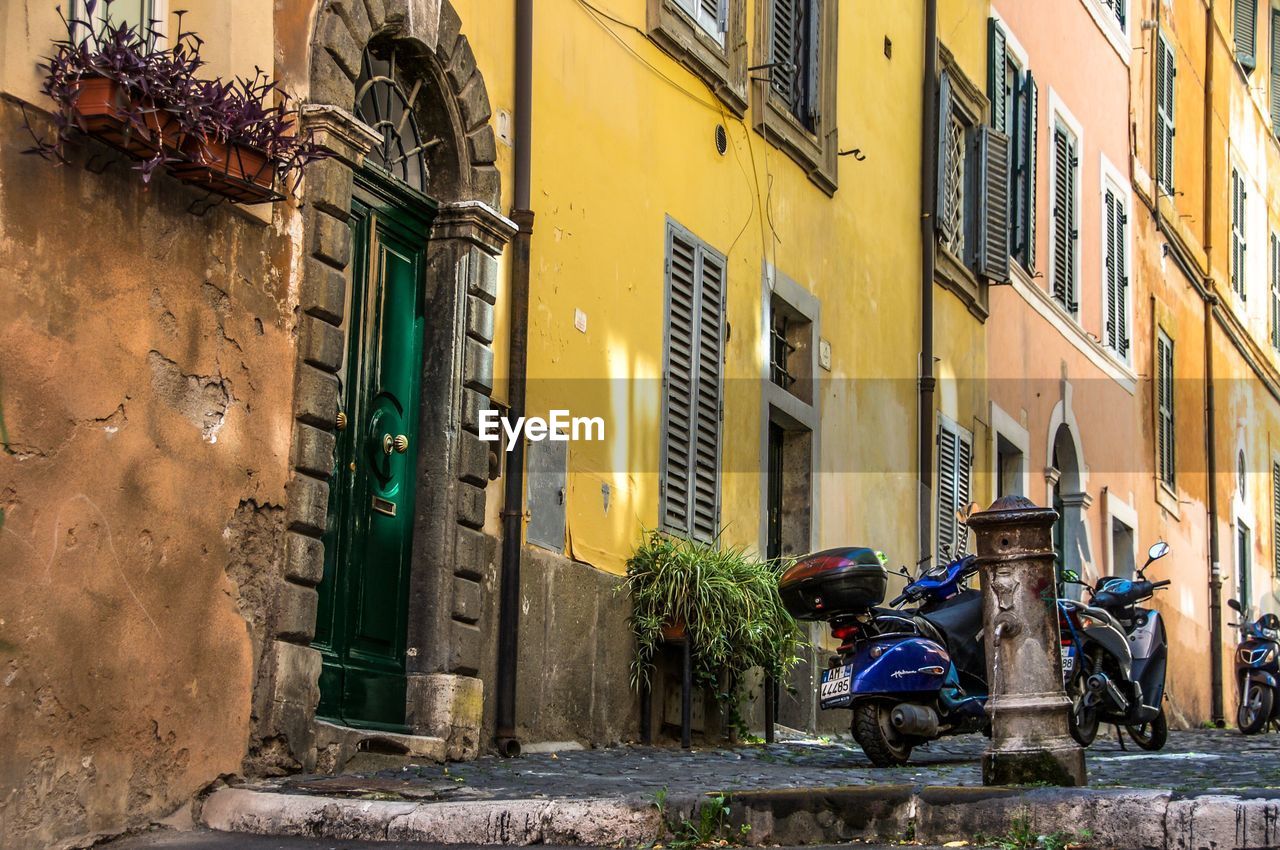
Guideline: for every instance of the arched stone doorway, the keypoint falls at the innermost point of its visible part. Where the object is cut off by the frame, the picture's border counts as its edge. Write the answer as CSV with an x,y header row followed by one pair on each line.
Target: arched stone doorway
x,y
1065,477
418,46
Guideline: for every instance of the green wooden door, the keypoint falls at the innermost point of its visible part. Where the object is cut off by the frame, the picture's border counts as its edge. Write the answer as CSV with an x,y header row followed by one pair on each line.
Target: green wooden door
x,y
363,612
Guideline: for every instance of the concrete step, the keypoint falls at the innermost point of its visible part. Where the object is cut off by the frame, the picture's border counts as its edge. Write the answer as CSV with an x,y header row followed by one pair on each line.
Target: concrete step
x,y
1113,818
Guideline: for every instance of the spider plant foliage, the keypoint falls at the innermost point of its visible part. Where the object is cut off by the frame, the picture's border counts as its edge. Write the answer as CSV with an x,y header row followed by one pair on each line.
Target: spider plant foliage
x,y
726,601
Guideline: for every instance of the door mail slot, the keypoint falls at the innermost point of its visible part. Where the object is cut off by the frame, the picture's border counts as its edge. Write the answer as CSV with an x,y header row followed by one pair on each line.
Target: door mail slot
x,y
384,506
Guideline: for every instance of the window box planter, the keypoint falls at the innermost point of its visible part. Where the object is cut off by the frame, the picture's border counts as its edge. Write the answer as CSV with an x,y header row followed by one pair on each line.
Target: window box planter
x,y
103,109
239,172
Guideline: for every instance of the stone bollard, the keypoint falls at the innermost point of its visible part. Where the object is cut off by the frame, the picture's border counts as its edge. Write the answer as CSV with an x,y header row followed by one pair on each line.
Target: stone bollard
x,y
1030,738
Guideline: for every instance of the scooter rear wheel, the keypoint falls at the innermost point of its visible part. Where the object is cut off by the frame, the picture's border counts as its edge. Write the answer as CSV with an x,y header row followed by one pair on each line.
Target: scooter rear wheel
x,y
1256,711
1083,721
873,730
1151,736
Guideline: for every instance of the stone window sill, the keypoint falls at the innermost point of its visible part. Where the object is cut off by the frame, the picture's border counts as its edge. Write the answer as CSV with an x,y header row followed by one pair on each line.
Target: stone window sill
x,y
959,280
723,67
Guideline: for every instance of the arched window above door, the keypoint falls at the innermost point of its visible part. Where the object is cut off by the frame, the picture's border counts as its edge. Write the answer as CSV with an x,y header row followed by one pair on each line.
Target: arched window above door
x,y
383,104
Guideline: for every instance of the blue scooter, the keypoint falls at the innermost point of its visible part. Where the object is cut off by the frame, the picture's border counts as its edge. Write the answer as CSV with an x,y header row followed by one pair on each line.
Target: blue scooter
x,y
1257,669
910,674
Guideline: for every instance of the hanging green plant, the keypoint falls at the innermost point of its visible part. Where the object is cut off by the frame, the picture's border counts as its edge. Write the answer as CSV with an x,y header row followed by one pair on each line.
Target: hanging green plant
x,y
726,602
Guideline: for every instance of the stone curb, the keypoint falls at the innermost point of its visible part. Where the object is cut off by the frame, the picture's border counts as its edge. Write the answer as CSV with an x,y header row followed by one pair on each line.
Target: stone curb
x,y
1128,819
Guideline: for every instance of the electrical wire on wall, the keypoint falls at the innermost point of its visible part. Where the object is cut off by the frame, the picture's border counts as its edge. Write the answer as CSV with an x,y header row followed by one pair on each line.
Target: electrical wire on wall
x,y
762,203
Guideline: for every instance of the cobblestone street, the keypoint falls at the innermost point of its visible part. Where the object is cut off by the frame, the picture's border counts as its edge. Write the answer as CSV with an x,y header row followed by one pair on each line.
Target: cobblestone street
x,y
1193,761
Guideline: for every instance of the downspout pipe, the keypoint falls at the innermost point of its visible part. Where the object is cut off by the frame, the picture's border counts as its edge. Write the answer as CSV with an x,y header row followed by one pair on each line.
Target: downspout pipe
x,y
1210,430
928,215
508,743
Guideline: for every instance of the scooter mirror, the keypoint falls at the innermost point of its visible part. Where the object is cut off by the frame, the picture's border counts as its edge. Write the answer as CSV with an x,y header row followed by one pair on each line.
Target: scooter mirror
x,y
1157,551
1234,604
1270,622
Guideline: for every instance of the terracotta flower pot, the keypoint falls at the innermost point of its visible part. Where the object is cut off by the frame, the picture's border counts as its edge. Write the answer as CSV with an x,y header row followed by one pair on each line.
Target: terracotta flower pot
x,y
102,107
674,632
239,172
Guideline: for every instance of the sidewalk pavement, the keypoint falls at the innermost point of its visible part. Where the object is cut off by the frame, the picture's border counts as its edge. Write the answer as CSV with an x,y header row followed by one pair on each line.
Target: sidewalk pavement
x,y
1205,789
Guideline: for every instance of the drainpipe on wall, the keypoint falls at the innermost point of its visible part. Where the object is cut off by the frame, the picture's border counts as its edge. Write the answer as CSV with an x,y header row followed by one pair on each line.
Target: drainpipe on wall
x,y
1210,431
513,482
928,213
1204,288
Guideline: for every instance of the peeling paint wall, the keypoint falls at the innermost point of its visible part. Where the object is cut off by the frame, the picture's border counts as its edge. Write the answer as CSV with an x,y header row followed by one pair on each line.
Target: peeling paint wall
x,y
145,393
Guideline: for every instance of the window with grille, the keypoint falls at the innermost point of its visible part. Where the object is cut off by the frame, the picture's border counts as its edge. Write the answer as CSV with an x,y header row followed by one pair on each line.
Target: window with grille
x,y
1239,244
690,464
955,461
1066,218
712,16
795,38
952,209
145,16
1013,94
1244,22
1164,408
1166,74
1115,271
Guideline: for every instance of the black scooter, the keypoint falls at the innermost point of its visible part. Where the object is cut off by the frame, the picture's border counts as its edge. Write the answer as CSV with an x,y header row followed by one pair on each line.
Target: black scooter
x,y
1114,657
1257,669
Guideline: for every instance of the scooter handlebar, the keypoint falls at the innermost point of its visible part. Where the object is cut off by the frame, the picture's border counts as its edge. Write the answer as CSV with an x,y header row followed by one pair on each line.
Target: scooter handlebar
x,y
1164,583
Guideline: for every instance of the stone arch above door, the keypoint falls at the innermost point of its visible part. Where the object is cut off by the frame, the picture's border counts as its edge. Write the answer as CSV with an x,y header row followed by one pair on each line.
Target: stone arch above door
x,y
427,36
454,561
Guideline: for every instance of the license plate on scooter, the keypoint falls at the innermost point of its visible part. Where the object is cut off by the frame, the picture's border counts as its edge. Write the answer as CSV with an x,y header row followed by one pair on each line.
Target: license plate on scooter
x,y
834,691
1068,661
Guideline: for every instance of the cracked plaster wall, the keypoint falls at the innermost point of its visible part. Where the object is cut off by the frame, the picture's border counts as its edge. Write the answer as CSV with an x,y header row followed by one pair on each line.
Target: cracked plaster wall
x,y
145,394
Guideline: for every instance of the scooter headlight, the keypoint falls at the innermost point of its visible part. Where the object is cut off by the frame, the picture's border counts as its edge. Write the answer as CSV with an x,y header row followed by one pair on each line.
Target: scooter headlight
x,y
1257,655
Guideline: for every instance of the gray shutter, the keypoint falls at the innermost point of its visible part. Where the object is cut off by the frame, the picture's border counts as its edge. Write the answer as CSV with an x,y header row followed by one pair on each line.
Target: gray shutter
x,y
1166,74
813,57
1164,402
1122,279
1275,73
941,219
996,62
782,26
1275,291
712,16
1064,230
1027,128
1110,278
1245,23
678,426
710,359
993,219
948,467
964,467
1275,518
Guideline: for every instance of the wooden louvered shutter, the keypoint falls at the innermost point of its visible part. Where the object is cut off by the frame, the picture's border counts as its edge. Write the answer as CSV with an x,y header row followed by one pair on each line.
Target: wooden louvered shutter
x,y
955,460
1275,71
1166,73
1245,22
710,357
1239,246
1064,217
691,415
997,62
1275,518
712,16
1122,279
1027,128
1112,290
812,59
678,427
947,475
782,26
993,216
1275,291
1164,406
942,221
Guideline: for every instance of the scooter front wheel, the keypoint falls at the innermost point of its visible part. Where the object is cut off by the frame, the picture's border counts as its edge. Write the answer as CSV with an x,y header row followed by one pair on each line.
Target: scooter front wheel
x,y
1255,709
873,730
1151,736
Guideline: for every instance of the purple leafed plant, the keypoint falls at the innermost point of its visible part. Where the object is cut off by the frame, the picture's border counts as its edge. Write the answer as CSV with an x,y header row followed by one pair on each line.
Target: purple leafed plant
x,y
161,88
